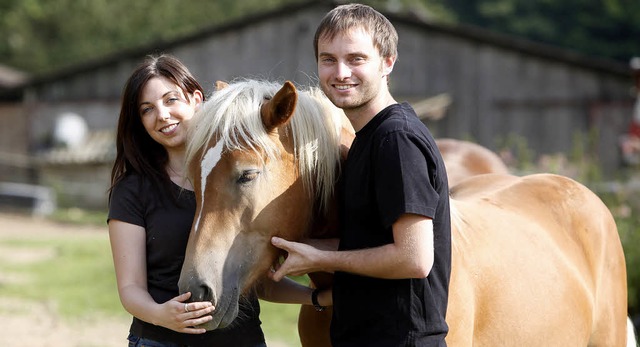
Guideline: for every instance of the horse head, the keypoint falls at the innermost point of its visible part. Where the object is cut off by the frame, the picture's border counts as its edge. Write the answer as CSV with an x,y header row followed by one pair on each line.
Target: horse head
x,y
263,160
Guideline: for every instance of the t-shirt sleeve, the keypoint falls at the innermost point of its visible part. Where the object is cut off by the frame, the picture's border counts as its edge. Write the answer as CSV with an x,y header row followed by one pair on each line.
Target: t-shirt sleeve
x,y
126,202
402,180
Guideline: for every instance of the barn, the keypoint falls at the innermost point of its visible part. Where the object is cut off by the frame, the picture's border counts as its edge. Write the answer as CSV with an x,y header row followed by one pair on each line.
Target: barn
x,y
495,88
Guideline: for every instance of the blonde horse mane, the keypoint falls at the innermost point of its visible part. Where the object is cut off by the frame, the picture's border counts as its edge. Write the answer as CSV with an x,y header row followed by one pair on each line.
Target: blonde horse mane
x,y
232,115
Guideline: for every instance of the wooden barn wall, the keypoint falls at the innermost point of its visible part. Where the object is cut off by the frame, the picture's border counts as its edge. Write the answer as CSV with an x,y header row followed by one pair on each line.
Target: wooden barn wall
x,y
83,185
279,50
98,114
496,91
15,165
275,50
14,130
104,82
499,93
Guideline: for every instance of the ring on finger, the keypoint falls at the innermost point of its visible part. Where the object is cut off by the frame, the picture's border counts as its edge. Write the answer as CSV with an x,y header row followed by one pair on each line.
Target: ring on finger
x,y
186,307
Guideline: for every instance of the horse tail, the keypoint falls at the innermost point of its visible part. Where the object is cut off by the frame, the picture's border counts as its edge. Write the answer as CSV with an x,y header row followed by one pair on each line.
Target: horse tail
x,y
631,334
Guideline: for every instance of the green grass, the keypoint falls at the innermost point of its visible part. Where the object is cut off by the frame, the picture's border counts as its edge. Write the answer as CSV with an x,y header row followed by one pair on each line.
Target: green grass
x,y
280,322
75,275
80,216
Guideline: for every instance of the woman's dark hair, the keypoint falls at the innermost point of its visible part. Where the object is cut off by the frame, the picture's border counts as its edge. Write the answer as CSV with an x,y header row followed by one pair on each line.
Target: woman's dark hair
x,y
136,151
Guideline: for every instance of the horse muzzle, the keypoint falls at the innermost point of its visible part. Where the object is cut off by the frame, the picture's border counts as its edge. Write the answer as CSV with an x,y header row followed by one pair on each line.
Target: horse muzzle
x,y
226,304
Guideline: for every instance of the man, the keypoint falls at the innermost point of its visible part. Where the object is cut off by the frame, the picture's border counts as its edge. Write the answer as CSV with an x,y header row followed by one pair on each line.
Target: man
x,y
393,263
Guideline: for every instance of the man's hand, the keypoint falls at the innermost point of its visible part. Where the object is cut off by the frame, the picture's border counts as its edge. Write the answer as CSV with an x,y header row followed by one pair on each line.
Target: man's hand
x,y
301,259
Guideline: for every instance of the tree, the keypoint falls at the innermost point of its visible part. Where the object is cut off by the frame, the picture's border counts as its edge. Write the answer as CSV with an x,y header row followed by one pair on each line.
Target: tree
x,y
605,28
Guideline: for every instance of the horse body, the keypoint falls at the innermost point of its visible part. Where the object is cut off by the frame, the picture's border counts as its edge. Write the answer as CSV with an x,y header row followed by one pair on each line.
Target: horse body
x,y
467,159
536,261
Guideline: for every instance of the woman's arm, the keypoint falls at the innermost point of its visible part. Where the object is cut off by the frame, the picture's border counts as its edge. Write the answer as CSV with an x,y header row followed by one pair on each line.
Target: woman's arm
x,y
288,291
128,246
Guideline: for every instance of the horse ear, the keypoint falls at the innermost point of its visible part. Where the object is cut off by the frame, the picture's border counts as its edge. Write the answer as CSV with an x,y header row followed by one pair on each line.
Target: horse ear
x,y
280,108
221,85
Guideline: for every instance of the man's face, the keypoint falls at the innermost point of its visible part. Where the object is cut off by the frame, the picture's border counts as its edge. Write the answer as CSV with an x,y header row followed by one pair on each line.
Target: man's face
x,y
352,73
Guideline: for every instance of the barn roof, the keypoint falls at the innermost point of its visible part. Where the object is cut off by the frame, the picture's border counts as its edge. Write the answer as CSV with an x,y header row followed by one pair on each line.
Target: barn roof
x,y
464,31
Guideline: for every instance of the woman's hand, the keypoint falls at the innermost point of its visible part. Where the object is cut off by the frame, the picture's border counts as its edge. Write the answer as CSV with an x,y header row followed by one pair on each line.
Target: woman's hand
x,y
181,316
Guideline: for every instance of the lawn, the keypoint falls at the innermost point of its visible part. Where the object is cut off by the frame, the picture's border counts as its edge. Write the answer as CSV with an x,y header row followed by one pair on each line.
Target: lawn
x,y
74,274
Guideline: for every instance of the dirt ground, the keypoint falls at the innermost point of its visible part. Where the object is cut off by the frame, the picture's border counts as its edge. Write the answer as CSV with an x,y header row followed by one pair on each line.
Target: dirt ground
x,y
26,323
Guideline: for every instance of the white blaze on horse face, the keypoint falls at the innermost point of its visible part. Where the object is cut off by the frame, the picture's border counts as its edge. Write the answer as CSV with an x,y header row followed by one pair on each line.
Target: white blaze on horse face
x,y
210,160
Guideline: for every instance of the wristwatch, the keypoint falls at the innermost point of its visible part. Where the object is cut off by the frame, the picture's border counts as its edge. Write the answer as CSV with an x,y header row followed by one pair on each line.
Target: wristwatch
x,y
314,300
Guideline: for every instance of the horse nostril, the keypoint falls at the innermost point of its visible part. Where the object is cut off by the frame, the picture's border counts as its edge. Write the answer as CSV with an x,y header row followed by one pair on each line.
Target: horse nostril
x,y
207,294
201,292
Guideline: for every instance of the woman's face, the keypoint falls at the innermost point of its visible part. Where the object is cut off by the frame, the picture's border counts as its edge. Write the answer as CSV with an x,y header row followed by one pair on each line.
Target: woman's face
x,y
165,110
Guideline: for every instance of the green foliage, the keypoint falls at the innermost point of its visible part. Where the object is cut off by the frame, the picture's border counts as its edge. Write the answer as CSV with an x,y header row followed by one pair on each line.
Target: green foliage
x,y
581,157
427,9
608,28
521,157
79,216
625,206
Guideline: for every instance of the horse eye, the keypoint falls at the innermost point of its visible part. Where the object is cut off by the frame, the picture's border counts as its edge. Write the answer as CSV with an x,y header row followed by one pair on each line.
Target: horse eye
x,y
248,176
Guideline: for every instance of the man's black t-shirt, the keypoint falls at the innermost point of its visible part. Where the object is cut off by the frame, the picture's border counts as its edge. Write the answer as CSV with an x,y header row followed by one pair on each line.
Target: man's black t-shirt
x,y
167,225
394,167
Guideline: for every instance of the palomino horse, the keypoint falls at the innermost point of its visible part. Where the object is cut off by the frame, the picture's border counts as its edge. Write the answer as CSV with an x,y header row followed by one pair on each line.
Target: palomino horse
x,y
537,260
258,173
466,159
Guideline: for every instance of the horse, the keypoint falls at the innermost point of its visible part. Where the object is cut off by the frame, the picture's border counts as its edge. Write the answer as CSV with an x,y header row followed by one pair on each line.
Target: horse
x,y
277,174
536,260
464,159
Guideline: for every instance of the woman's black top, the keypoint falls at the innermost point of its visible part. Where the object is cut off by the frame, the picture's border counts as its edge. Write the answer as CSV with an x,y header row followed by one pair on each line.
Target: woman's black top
x,y
167,223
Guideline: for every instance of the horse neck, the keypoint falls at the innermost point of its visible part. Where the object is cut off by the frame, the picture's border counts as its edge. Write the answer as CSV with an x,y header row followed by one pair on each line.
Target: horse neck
x,y
325,213
326,221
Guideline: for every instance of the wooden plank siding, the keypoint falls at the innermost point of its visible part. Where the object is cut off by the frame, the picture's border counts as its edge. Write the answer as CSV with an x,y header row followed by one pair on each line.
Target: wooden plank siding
x,y
15,163
499,85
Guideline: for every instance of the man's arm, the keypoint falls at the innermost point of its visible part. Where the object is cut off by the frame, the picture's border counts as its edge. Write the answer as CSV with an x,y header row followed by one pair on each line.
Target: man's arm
x,y
409,256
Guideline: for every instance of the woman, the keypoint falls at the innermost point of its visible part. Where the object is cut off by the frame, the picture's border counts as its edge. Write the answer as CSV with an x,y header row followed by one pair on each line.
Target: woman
x,y
151,208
